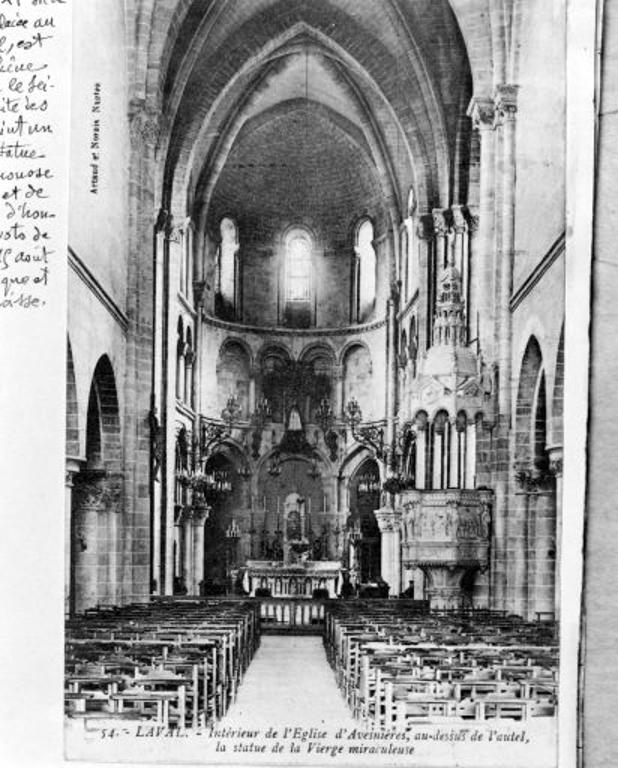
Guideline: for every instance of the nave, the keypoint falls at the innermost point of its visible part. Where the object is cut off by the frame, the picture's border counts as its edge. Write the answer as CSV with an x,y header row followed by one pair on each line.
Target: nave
x,y
289,682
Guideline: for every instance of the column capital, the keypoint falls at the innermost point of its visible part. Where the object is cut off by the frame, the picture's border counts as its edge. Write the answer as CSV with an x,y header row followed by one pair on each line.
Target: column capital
x,y
505,101
98,490
482,112
460,223
389,519
440,224
186,515
531,479
200,515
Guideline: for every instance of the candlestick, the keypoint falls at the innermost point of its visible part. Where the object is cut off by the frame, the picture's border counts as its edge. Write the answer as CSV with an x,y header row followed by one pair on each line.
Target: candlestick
x,y
277,505
324,503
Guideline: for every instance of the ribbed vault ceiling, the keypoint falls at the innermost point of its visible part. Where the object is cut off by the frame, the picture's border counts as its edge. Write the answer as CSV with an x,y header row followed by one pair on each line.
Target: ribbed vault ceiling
x,y
396,71
298,166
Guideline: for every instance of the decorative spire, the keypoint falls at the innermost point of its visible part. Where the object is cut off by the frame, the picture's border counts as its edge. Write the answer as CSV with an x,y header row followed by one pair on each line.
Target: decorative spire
x,y
450,327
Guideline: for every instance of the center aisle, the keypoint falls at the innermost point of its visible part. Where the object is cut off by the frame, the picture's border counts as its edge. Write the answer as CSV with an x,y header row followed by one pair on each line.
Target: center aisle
x,y
289,682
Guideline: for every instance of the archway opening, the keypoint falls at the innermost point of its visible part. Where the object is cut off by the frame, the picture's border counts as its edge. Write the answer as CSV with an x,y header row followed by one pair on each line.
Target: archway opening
x,y
362,523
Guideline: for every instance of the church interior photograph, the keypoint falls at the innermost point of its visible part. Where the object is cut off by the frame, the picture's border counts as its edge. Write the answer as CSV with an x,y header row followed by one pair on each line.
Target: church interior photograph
x,y
315,359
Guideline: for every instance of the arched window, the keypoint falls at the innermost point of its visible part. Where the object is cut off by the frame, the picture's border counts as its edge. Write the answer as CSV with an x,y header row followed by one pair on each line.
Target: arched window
x,y
227,269
365,272
298,278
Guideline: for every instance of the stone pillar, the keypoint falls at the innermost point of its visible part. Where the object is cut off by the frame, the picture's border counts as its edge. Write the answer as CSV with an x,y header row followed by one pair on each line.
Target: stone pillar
x,y
506,108
88,505
251,394
187,549
441,239
139,349
454,458
543,547
200,513
178,539
174,257
482,113
72,468
518,544
424,239
389,521
555,467
113,552
436,470
421,453
470,468
391,374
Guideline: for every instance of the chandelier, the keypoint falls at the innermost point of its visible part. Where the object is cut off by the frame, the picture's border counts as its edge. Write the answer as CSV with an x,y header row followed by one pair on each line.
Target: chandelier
x,y
368,482
368,435
274,468
262,413
233,532
209,485
324,415
214,432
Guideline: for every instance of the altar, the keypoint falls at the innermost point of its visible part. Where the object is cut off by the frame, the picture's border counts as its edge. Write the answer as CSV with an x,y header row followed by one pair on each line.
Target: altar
x,y
295,574
293,580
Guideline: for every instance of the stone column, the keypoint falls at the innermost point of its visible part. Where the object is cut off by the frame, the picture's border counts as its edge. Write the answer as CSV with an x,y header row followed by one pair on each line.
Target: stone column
x,y
392,372
482,113
470,469
159,324
543,546
454,458
251,393
140,308
173,241
424,239
421,453
436,469
441,239
506,108
113,494
88,505
72,468
389,521
200,513
555,467
187,549
517,536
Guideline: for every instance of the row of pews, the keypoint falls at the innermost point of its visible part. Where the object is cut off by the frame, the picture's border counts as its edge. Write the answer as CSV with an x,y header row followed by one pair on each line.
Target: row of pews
x,y
175,663
396,665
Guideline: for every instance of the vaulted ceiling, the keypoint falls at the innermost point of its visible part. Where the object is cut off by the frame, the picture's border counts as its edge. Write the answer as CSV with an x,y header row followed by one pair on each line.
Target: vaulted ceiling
x,y
267,100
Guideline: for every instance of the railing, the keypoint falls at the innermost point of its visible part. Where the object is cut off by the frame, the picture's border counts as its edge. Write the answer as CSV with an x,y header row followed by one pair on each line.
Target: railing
x,y
291,615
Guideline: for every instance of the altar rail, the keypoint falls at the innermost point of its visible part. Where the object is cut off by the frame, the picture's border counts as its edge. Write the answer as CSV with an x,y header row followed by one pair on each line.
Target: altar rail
x,y
296,616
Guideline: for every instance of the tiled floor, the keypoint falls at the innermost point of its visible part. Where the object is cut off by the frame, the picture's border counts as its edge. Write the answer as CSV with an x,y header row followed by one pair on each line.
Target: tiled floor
x,y
289,682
